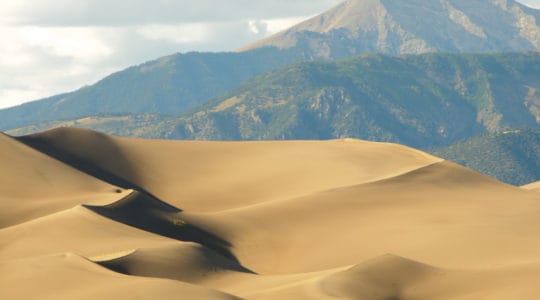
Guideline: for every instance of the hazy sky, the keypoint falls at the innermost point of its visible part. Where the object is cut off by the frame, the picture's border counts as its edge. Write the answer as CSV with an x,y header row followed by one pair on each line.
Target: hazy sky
x,y
53,46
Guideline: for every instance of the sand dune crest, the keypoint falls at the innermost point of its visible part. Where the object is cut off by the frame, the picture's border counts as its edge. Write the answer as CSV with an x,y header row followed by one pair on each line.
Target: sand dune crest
x,y
535,186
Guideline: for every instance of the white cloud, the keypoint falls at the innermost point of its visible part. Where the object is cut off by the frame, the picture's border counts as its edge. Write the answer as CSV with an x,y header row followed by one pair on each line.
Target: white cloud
x,y
531,3
181,33
37,62
279,24
257,26
77,43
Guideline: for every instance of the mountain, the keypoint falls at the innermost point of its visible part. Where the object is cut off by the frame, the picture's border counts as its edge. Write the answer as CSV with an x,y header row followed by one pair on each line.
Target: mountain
x,y
178,83
168,85
512,156
419,100
427,100
415,26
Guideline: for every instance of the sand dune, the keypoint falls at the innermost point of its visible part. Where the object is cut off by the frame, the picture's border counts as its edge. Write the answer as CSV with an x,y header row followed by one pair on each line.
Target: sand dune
x,y
535,186
77,230
428,215
195,264
211,176
342,219
34,184
69,276
394,277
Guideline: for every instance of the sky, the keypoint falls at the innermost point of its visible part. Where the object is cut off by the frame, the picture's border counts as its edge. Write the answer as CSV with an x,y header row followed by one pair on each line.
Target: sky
x,y
52,46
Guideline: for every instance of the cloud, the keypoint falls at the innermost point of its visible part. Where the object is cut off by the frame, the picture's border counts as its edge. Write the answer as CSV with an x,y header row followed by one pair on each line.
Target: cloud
x,y
531,3
38,62
257,26
78,43
141,12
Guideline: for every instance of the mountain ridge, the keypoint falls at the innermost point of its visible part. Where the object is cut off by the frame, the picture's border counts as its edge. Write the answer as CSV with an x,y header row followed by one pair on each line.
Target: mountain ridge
x,y
433,99
412,27
511,156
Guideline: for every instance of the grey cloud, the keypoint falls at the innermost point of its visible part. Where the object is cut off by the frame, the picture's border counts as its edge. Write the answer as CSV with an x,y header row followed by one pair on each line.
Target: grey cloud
x,y
50,75
130,47
130,12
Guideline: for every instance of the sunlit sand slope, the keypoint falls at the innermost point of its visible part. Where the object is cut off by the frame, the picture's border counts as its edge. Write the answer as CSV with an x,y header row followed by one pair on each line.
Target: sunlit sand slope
x,y
89,216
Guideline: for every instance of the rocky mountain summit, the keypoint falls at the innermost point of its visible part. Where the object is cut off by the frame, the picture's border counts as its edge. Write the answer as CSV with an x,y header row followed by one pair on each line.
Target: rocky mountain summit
x,y
412,27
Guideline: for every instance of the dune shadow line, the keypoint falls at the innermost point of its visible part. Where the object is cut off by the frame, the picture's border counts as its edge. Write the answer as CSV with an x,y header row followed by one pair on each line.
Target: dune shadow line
x,y
45,143
141,209
145,212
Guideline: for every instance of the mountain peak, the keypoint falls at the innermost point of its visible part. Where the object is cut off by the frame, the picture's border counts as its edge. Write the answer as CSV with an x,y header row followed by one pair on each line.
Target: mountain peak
x,y
352,14
413,26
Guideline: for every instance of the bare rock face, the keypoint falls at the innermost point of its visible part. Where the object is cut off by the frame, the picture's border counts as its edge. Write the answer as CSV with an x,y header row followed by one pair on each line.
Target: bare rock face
x,y
412,27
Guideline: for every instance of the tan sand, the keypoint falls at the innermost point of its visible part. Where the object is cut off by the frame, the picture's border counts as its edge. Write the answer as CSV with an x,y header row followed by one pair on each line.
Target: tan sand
x,y
34,185
69,276
342,219
210,176
535,186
